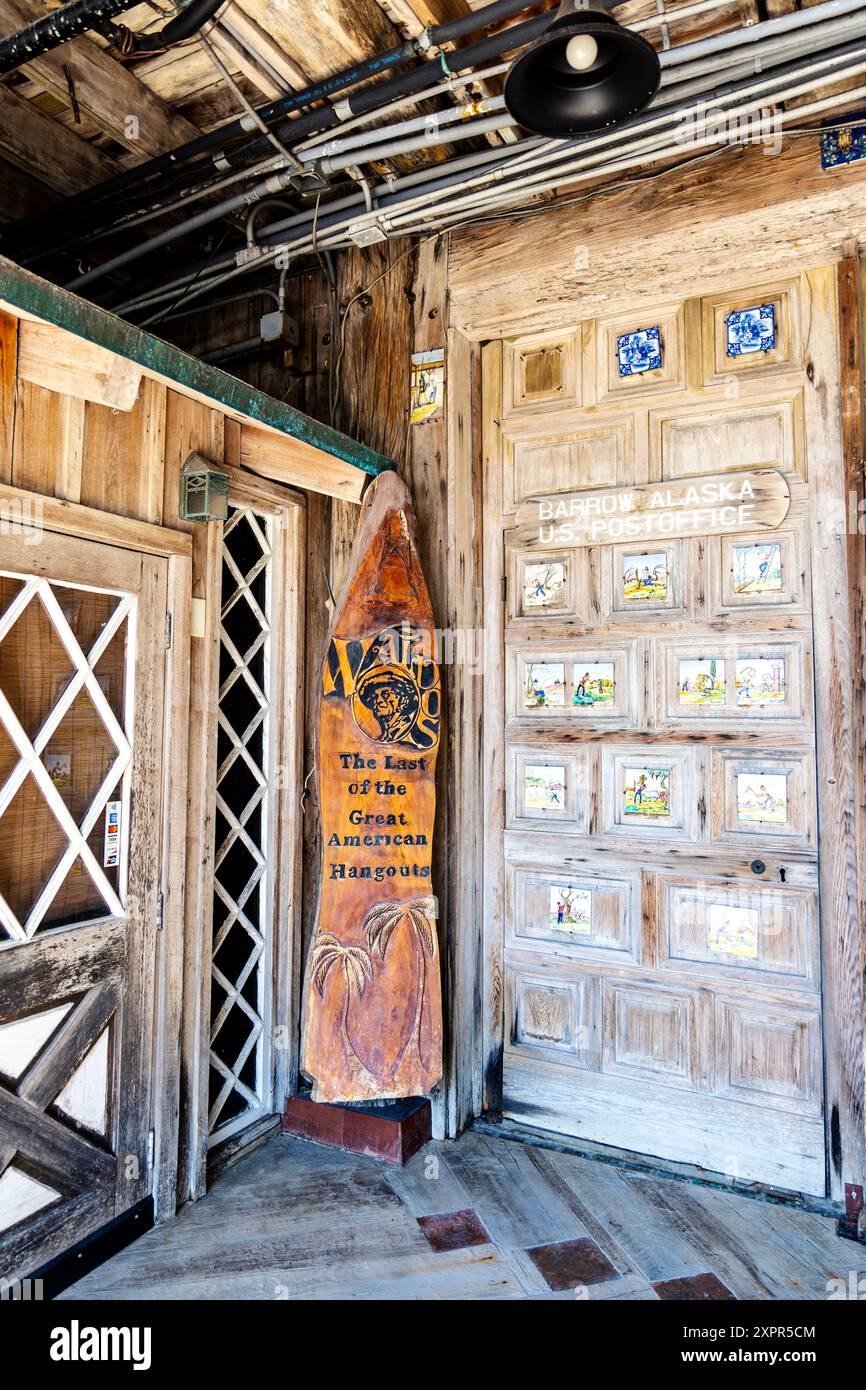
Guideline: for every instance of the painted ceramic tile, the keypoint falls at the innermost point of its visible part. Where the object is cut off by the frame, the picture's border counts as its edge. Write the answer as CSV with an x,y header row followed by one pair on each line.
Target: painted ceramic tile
x,y
647,792
702,682
544,788
645,577
758,568
545,684
761,681
571,910
732,931
639,352
750,330
762,797
843,145
594,683
59,768
543,584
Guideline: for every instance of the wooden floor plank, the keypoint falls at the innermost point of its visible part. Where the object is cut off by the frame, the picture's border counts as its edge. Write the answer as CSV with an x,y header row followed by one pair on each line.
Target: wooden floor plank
x,y
298,1221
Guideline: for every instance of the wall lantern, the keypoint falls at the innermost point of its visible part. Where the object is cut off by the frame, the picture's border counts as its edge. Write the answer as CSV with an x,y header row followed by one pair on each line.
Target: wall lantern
x,y
584,73
204,491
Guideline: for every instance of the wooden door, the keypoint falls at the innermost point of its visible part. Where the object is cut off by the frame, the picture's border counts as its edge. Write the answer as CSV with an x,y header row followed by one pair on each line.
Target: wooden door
x,y
654,901
82,656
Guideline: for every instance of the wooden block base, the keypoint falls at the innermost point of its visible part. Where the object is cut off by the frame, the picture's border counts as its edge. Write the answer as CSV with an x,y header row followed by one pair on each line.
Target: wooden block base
x,y
392,1132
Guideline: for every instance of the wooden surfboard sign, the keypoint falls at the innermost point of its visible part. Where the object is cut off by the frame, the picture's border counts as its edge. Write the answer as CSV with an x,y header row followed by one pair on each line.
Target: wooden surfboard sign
x,y
372,1027
714,504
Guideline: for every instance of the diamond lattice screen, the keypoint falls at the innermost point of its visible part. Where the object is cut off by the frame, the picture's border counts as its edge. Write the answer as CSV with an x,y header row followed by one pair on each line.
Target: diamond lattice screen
x,y
241,942
64,752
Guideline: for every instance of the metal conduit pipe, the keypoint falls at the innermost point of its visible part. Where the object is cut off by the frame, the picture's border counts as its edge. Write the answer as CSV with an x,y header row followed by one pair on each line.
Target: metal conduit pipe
x,y
758,33
744,63
427,141
508,196
440,88
324,90
832,6
56,28
354,200
402,224
408,222
659,149
818,64
323,157
191,18
320,118
772,87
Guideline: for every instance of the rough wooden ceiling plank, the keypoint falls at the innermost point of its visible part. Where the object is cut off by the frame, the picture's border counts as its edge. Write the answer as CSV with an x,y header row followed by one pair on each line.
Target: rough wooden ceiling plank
x,y
413,16
326,36
105,90
47,150
237,21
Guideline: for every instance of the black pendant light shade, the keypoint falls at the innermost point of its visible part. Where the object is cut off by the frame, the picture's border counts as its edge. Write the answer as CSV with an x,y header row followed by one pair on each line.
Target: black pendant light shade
x,y
584,73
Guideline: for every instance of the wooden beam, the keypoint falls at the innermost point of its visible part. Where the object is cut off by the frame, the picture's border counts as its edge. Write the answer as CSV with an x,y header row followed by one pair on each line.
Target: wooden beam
x,y
59,361
105,90
71,519
666,238
237,21
291,461
27,296
413,16
46,149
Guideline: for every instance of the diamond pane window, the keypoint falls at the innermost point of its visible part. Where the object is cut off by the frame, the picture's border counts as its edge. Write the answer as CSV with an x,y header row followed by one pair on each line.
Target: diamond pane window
x,y
638,352
242,951
750,330
64,751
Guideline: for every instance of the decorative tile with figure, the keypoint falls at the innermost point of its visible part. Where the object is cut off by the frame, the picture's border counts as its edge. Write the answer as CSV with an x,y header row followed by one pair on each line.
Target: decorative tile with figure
x,y
732,931
594,683
647,792
758,568
544,788
645,577
542,584
762,797
702,681
761,680
571,910
545,684
639,352
750,330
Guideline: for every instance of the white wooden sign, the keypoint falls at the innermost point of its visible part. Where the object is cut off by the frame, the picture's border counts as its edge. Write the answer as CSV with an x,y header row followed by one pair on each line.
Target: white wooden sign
x,y
715,504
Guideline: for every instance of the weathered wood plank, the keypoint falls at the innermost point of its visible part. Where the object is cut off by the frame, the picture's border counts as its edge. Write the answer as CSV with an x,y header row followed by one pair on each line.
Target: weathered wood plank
x,y
105,89
62,362
46,149
513,277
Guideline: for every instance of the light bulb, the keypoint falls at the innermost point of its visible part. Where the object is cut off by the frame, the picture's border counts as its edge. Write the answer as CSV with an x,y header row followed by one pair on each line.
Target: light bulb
x,y
581,52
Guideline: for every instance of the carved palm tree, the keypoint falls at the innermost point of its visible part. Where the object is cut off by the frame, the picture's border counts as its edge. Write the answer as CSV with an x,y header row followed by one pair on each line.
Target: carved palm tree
x,y
379,925
357,970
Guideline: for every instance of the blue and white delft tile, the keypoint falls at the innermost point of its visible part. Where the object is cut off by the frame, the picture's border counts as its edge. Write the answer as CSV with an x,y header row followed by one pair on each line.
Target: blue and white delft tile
x,y
639,352
750,330
843,146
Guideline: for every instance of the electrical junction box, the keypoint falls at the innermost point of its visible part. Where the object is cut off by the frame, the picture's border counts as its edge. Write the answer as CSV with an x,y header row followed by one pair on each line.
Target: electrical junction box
x,y
278,326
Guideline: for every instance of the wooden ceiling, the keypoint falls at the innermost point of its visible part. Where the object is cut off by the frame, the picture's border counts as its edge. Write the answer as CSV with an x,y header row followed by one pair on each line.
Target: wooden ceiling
x,y
64,118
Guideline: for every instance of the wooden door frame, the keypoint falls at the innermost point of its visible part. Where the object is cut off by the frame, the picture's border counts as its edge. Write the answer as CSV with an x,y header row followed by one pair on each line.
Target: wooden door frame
x,y
106,528
834,434
288,507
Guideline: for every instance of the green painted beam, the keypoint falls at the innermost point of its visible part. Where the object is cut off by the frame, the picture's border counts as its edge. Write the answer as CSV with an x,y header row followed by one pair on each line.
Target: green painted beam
x,y
34,295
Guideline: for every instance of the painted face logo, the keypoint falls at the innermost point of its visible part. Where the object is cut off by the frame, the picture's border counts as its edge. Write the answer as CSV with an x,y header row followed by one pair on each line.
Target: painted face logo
x,y
392,683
